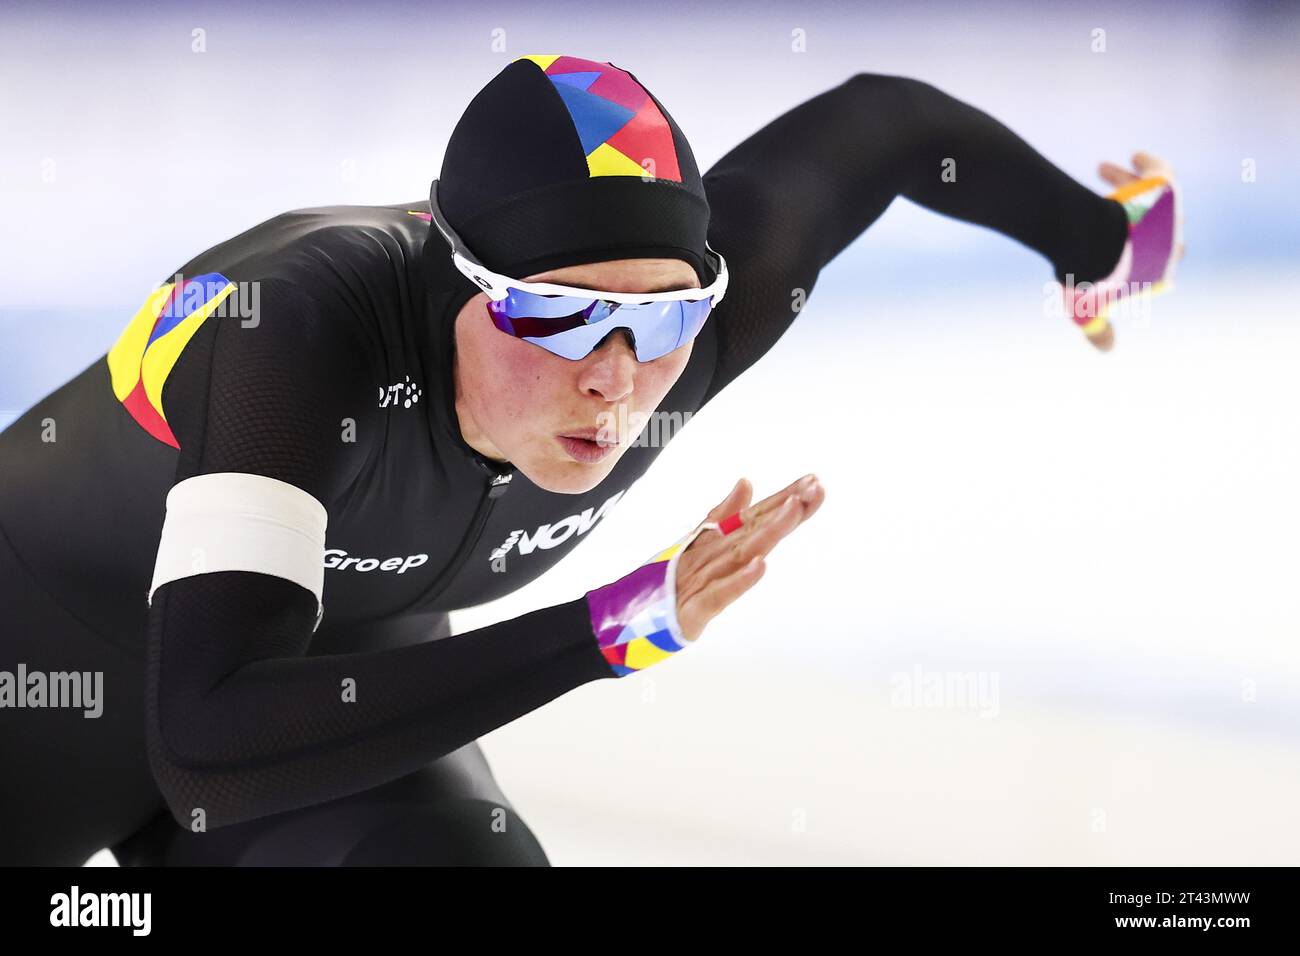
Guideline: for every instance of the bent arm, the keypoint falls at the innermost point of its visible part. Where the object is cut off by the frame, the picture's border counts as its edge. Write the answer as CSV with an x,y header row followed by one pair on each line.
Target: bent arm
x,y
792,196
241,723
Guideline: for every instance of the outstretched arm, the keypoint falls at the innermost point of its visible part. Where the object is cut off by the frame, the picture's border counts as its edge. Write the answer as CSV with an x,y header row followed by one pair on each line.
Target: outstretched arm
x,y
792,196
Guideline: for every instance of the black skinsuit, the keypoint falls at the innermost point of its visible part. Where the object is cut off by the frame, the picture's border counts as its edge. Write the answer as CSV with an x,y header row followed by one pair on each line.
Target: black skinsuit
x,y
220,696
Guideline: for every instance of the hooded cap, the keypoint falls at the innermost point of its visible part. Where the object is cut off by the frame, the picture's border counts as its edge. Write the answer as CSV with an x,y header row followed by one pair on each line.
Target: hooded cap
x,y
560,161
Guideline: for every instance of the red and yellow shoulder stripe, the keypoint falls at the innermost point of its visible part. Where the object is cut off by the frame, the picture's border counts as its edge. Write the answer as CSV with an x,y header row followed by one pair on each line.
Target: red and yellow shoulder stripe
x,y
149,347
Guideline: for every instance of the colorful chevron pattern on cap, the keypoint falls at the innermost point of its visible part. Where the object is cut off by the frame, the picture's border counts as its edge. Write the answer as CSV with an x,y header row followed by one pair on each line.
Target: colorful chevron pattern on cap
x,y
149,347
635,618
616,119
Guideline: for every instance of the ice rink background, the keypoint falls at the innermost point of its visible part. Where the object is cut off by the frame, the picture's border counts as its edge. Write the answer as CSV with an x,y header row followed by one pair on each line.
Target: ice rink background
x,y
1108,542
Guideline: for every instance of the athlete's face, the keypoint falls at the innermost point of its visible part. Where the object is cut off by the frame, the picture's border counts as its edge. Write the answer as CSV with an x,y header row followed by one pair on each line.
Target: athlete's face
x,y
516,401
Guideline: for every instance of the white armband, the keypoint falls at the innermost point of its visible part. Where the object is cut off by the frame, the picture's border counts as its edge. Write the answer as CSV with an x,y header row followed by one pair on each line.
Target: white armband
x,y
233,521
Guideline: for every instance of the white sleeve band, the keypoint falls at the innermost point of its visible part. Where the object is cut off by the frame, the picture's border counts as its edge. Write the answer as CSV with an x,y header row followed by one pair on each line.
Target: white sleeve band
x,y
233,521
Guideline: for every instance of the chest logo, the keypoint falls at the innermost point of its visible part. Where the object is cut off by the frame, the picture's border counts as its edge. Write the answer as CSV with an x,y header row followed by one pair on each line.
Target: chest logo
x,y
404,394
337,559
552,534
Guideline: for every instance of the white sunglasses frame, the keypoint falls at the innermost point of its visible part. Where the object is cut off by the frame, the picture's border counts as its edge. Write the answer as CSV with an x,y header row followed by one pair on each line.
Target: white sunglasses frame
x,y
497,286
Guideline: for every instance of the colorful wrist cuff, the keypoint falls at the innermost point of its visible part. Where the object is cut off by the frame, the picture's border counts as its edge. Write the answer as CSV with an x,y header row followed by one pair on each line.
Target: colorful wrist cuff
x,y
1147,264
635,618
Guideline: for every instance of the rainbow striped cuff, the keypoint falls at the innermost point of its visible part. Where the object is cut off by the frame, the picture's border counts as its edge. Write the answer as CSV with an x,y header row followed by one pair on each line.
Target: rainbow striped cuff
x,y
635,618
1147,263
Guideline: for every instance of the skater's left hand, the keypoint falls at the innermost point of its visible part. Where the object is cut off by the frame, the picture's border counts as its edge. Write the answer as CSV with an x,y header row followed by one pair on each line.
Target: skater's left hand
x,y
1144,165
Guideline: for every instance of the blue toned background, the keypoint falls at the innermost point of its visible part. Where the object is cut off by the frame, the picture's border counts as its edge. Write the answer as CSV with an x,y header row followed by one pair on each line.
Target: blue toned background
x,y
1107,541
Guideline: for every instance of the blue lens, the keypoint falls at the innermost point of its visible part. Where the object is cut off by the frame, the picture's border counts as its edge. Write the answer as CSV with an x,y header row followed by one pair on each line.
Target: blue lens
x,y
571,326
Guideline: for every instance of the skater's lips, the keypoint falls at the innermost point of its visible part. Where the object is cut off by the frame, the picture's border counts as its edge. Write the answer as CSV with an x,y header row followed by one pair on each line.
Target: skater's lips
x,y
590,434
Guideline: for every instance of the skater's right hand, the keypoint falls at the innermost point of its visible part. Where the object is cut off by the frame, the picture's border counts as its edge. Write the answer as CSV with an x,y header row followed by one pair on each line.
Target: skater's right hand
x,y
716,568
